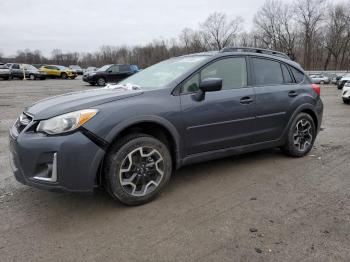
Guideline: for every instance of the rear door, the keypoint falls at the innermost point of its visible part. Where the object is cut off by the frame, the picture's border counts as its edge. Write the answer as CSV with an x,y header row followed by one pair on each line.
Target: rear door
x,y
225,118
124,72
276,91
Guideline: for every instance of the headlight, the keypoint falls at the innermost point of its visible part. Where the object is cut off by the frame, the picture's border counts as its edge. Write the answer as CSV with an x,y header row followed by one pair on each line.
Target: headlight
x,y
67,122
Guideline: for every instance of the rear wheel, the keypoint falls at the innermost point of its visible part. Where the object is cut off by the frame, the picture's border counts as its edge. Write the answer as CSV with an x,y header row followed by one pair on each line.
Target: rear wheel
x,y
137,168
346,101
101,81
322,82
64,76
301,136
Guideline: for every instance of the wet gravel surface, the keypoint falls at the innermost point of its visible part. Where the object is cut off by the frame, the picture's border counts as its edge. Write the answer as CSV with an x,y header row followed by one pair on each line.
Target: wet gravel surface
x,y
255,207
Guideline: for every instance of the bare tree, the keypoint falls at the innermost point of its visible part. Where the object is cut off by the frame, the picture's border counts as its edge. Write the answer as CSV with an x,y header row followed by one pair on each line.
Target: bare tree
x,y
274,26
309,15
218,32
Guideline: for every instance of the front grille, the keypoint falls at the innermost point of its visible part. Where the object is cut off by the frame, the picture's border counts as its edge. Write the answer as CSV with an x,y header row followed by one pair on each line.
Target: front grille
x,y
22,122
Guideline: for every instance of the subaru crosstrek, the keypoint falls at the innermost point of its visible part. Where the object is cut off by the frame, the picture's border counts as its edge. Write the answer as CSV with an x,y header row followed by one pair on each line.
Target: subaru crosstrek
x,y
129,137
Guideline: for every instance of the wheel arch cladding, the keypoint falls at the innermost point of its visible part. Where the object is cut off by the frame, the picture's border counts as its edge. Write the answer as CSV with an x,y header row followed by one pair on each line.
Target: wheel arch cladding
x,y
164,132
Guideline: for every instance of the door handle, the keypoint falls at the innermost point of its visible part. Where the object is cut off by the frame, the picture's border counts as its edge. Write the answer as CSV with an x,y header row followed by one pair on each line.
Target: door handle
x,y
292,94
246,100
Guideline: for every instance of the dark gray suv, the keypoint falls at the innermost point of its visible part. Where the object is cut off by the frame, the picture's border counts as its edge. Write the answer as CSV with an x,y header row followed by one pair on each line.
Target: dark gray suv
x,y
129,137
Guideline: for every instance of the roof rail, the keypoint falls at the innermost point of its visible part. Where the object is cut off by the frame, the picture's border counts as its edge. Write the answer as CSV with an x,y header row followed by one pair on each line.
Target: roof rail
x,y
255,50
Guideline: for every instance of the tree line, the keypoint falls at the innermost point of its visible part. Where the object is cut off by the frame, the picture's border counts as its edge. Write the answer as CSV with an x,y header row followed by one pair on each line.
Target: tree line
x,y
315,33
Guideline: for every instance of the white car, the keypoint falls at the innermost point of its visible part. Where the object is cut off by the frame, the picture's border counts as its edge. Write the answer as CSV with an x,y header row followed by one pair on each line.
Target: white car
x,y
346,93
343,81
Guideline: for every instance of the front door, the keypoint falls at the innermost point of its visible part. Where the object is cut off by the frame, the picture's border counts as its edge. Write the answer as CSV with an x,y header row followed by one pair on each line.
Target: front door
x,y
225,118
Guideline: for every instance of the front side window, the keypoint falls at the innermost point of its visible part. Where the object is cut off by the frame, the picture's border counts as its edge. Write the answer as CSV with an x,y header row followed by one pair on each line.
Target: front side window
x,y
232,71
114,69
267,72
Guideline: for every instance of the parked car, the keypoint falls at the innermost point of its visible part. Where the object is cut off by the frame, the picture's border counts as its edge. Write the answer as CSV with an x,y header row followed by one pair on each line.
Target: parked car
x,y
130,136
110,74
319,79
5,72
58,71
345,78
77,69
30,72
346,93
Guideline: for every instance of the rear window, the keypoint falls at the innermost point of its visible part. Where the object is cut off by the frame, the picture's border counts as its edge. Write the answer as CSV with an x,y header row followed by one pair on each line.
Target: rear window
x,y
298,76
267,72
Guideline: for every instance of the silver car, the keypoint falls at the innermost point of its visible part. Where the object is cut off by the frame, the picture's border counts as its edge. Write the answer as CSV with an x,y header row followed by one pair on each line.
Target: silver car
x,y
5,72
319,79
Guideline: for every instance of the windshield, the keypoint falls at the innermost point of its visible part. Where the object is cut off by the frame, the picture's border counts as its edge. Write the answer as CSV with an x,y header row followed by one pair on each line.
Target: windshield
x,y
104,68
161,74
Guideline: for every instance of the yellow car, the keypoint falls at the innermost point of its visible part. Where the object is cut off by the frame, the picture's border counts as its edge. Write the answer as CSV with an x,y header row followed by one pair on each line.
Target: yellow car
x,y
59,71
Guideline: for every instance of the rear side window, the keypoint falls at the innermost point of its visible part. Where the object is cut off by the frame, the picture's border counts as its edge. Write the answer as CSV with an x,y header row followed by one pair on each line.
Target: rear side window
x,y
124,68
298,76
286,75
15,66
267,72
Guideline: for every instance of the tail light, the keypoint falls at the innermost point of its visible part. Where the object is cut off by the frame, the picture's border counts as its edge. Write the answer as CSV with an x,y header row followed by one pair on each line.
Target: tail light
x,y
316,88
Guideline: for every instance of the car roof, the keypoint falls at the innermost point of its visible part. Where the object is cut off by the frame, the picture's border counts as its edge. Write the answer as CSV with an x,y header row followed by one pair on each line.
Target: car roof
x,y
245,53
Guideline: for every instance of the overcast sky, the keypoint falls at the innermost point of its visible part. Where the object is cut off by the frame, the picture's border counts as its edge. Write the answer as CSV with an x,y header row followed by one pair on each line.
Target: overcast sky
x,y
85,25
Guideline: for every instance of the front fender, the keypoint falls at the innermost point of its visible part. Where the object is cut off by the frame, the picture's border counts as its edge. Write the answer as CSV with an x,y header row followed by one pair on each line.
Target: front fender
x,y
114,132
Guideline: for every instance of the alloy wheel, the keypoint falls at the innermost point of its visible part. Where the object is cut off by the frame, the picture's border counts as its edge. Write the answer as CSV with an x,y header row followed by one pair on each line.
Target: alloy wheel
x,y
303,135
141,171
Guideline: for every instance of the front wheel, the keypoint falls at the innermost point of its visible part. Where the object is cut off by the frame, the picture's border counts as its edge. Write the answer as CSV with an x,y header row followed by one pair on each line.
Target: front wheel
x,y
101,81
64,76
137,168
32,77
301,136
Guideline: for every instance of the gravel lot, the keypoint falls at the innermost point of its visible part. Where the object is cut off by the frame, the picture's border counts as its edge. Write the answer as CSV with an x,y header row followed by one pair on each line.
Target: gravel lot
x,y
256,207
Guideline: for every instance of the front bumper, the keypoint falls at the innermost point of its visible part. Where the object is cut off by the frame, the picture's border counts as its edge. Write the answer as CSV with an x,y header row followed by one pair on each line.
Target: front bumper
x,y
87,78
346,94
58,163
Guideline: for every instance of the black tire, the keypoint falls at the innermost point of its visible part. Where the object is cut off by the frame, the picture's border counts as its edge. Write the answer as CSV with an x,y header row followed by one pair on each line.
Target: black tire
x,y
117,160
6,78
322,82
101,81
346,101
92,84
290,148
64,76
32,77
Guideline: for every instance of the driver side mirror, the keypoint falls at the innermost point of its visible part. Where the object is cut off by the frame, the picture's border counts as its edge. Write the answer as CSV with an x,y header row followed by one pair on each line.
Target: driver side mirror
x,y
208,85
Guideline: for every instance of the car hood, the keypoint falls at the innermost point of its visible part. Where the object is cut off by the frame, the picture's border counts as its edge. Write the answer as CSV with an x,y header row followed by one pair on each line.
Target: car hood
x,y
57,105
